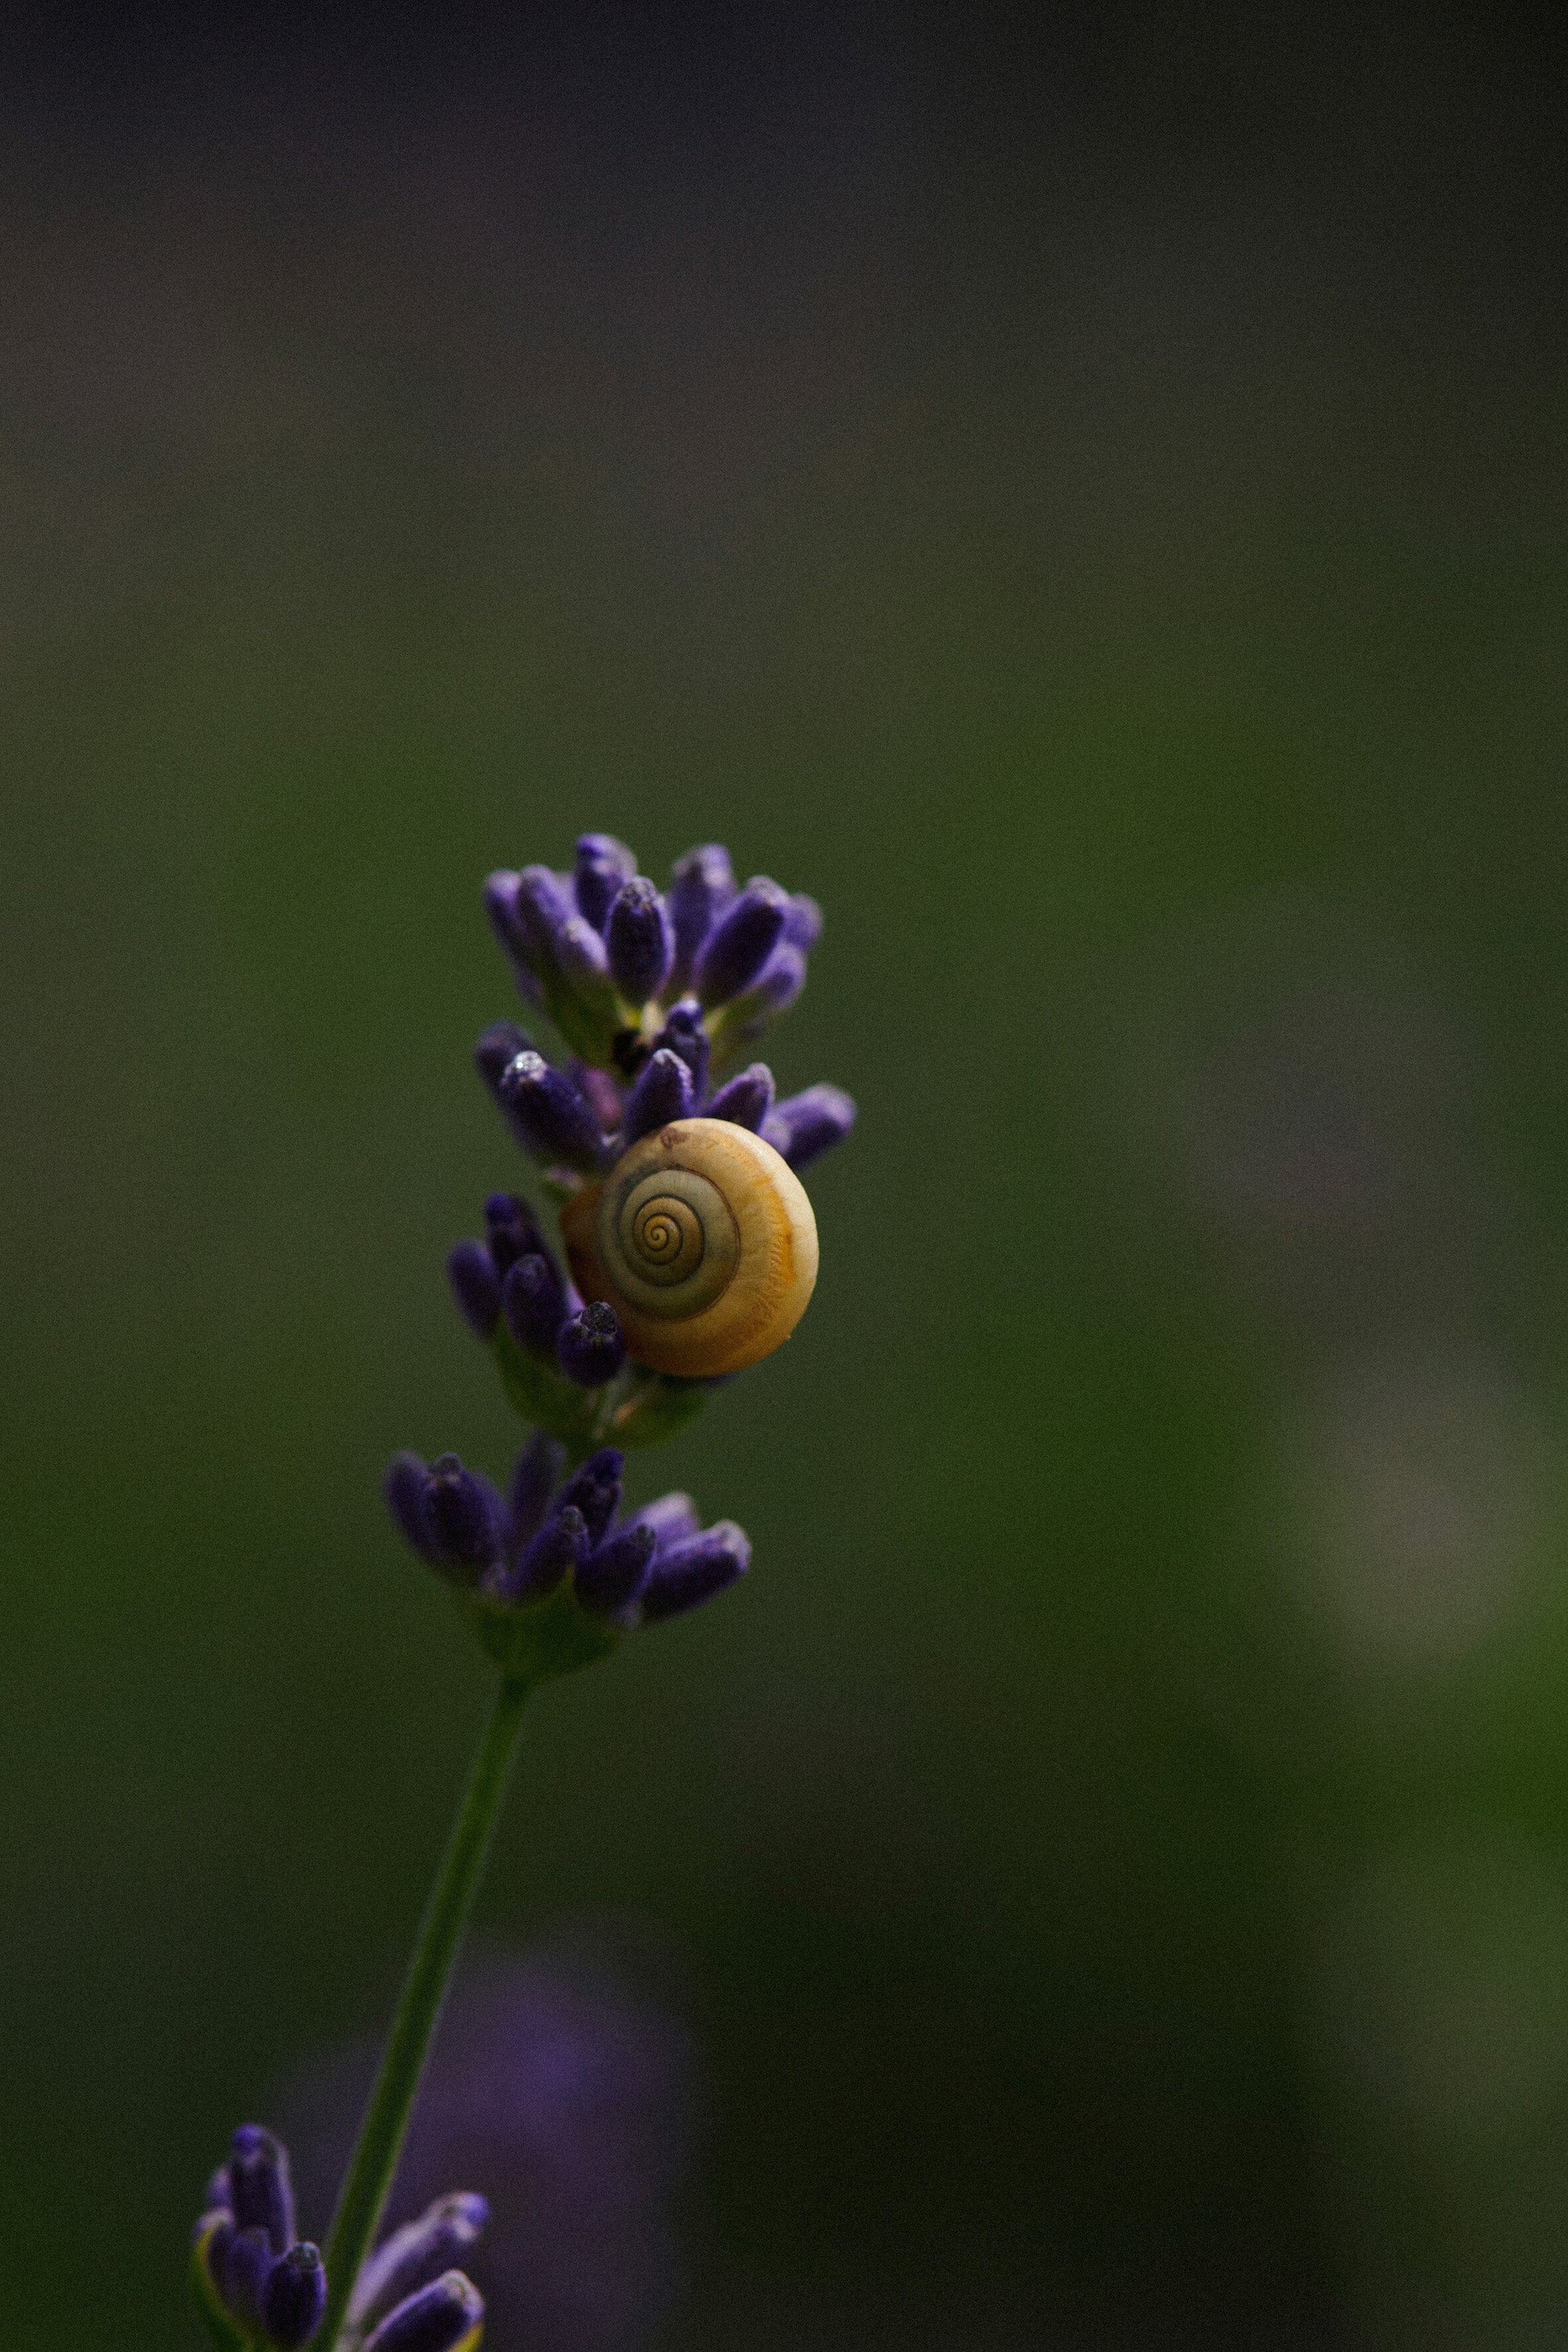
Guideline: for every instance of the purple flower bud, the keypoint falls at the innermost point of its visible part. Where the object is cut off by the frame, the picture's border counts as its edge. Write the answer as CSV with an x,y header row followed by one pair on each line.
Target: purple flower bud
x,y
742,941
404,1487
540,911
776,986
613,1575
295,2298
691,1572
513,1230
444,2318
603,863
595,1491
672,1517
501,908
558,1550
584,963
590,1347
684,1034
747,1099
465,1516
639,941
240,2265
803,924
533,1300
549,1114
533,1478
701,886
471,1270
804,1126
500,1047
600,1092
663,1092
415,2255
260,2195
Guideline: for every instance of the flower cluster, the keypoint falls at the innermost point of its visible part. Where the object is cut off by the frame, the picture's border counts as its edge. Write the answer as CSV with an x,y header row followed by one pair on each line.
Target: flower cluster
x,y
256,2284
658,994
562,1539
602,950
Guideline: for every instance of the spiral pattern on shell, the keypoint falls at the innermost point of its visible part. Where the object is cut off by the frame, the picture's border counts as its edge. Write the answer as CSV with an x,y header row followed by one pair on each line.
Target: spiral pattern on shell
x,y
702,1241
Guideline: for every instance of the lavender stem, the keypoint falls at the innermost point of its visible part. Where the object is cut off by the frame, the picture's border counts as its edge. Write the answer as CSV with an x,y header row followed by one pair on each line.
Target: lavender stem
x,y
375,2162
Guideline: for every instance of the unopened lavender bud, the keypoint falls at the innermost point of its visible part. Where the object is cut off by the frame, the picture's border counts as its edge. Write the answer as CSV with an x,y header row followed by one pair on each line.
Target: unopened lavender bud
x,y
747,1099
639,940
602,865
701,886
804,1126
260,2196
557,1551
241,2267
512,1231
295,2298
596,1490
445,2316
498,1047
742,941
540,911
533,1478
471,1270
691,1572
501,908
533,1300
416,2256
683,1033
803,923
549,1114
662,1092
672,1517
463,1513
403,1487
590,1347
775,987
613,1575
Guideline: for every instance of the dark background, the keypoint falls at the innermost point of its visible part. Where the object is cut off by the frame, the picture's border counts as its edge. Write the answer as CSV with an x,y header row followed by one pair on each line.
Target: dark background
x,y
1082,494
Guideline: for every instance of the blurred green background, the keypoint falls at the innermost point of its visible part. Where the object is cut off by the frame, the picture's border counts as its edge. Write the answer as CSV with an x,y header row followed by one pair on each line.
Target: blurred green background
x,y
1083,495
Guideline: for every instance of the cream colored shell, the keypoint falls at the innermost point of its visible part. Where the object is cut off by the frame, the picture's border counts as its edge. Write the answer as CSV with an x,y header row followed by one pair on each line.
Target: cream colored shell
x,y
702,1240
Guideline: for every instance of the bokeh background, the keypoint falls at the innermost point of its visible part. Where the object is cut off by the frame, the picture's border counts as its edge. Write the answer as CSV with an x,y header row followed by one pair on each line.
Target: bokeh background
x,y
1082,492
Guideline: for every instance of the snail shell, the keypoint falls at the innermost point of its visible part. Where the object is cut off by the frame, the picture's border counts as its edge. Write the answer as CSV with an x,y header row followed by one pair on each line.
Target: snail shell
x,y
702,1241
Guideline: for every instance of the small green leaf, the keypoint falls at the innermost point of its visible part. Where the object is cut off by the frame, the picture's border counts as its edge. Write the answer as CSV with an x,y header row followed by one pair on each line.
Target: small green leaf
x,y
541,1396
209,2310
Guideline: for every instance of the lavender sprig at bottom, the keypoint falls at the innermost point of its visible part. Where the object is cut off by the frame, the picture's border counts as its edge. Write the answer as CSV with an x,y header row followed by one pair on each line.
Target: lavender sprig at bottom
x,y
257,2285
688,1252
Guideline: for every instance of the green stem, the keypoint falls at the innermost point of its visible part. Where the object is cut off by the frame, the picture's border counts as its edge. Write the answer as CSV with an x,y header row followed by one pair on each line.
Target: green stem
x,y
375,2162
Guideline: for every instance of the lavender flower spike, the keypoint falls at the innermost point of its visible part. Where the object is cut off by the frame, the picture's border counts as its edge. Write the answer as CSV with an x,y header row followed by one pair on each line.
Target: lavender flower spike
x,y
251,2275
447,2316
